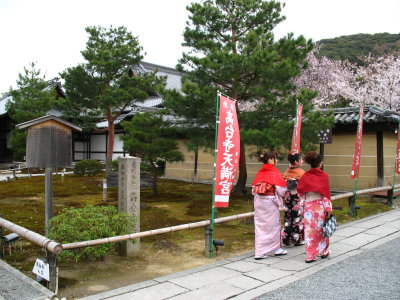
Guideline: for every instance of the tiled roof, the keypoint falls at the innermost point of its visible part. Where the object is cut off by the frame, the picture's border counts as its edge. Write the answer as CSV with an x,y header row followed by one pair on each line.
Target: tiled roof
x,y
173,76
372,114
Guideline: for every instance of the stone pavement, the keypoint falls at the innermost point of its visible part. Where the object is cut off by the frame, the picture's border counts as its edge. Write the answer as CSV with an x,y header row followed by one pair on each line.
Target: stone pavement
x,y
242,277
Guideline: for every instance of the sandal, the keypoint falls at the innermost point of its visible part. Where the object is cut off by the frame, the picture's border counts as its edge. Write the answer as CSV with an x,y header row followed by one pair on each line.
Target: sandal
x,y
326,254
301,243
280,252
261,257
310,261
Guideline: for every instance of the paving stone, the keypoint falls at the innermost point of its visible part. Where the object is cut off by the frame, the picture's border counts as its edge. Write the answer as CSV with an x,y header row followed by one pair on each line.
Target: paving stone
x,y
339,248
122,290
368,224
251,294
360,239
203,278
243,266
279,283
156,292
382,230
309,271
348,231
381,241
268,261
241,257
290,265
387,218
216,291
268,274
244,282
336,238
192,271
395,224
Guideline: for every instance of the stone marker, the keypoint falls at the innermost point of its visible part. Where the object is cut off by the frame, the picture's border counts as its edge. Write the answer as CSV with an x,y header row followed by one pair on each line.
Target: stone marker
x,y
129,197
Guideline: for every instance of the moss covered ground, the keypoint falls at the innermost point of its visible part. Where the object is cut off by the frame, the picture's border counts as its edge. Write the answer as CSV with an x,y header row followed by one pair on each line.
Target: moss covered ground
x,y
22,202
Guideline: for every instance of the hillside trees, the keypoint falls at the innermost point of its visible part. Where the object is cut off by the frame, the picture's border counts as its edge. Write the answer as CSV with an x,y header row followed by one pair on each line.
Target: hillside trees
x,y
33,98
232,48
104,85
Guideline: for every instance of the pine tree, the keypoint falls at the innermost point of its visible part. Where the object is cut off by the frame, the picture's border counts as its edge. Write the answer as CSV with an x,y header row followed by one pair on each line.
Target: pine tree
x,y
150,137
33,98
104,86
233,49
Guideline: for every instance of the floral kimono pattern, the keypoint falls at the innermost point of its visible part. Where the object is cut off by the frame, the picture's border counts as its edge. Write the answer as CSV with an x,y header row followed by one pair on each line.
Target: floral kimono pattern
x,y
315,209
293,228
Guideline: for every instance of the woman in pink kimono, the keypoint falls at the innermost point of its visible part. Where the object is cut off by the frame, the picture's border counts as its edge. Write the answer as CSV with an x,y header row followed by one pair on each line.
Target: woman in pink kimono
x,y
315,195
268,189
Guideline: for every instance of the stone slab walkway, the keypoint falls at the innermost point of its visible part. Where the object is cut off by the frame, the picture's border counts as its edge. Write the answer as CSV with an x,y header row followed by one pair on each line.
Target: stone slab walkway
x,y
242,277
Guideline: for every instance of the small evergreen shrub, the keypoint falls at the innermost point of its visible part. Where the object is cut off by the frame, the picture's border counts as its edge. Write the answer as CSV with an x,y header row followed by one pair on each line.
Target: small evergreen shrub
x,y
88,223
90,167
115,164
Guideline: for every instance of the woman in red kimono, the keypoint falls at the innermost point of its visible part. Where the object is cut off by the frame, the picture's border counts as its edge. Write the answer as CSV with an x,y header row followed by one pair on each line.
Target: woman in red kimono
x,y
268,189
315,194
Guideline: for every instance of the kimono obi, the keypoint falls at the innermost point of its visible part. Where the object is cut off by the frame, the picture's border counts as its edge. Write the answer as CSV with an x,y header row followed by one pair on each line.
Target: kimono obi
x,y
264,189
311,196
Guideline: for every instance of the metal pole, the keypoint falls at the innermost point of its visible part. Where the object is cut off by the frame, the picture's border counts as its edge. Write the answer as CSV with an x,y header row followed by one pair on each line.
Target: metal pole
x,y
48,197
390,196
210,249
105,190
52,261
1,239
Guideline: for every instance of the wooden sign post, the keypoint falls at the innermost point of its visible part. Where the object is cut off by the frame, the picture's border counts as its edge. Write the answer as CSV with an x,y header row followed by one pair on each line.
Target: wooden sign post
x,y
48,145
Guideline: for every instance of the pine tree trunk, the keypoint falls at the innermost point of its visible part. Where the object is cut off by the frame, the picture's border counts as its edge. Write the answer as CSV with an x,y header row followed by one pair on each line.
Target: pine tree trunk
x,y
240,187
110,143
196,160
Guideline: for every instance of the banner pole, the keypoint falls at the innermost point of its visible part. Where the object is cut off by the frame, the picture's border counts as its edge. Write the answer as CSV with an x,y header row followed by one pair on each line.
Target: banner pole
x,y
354,211
295,126
214,177
356,167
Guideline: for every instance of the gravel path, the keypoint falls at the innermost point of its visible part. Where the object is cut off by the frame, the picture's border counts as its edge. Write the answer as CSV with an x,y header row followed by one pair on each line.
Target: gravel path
x,y
375,274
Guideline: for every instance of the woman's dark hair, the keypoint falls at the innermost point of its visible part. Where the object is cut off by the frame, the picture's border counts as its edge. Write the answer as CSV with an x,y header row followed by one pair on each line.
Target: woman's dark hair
x,y
313,158
268,155
292,158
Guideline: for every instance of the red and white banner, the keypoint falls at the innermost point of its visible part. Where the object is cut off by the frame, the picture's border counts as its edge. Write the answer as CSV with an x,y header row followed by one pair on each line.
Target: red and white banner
x,y
398,152
228,151
355,169
297,130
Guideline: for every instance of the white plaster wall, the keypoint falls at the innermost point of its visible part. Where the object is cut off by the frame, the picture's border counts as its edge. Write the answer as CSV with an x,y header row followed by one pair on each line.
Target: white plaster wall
x,y
118,143
98,143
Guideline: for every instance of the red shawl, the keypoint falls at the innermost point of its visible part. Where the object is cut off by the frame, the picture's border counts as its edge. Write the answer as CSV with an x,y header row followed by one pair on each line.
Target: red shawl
x,y
315,180
268,173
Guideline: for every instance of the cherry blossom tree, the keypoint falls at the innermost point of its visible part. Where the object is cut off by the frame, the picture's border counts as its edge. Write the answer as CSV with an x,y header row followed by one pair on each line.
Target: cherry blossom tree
x,y
378,82
332,79
341,83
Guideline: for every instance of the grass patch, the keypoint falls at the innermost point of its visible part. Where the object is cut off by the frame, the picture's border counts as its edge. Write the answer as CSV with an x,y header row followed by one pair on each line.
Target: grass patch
x,y
22,202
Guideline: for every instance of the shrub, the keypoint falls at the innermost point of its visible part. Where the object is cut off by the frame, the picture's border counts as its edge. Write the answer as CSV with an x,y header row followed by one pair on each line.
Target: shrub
x,y
90,167
88,223
115,164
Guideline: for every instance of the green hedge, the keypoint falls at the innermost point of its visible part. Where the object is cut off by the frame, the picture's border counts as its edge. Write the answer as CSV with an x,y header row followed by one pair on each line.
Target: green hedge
x,y
89,223
90,167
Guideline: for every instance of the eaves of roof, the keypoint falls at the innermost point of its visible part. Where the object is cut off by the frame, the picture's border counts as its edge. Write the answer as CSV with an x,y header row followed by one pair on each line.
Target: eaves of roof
x,y
372,114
